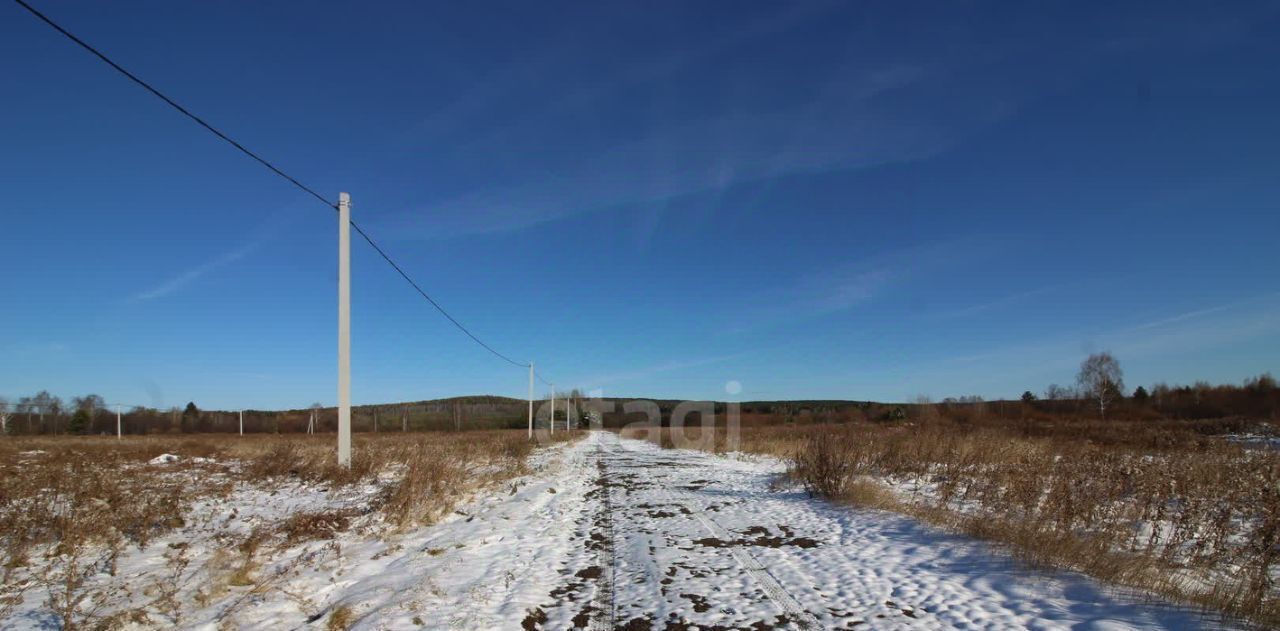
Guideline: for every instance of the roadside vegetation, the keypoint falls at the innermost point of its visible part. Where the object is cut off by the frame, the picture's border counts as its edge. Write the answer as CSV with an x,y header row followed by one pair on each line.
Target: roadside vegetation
x,y
1134,490
97,532
1189,516
1178,509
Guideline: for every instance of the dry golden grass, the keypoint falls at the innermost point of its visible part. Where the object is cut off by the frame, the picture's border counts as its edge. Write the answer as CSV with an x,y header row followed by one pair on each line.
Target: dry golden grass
x,y
1167,514
69,506
340,619
1079,495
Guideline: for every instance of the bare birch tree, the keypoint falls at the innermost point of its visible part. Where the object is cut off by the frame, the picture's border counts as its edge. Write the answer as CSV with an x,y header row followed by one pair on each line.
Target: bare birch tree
x,y
1101,380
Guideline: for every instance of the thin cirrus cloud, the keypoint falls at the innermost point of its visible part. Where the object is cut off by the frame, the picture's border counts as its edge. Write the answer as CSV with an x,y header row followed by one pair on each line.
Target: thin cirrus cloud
x,y
866,115
1178,318
578,96
998,303
192,275
668,366
846,131
1057,357
497,87
816,295
843,287
277,220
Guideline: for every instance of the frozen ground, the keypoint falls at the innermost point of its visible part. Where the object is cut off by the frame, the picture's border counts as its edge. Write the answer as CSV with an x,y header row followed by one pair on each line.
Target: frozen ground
x,y
611,533
687,538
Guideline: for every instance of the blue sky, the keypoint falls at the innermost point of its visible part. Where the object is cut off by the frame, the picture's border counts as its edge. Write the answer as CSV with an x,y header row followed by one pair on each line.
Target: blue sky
x,y
835,200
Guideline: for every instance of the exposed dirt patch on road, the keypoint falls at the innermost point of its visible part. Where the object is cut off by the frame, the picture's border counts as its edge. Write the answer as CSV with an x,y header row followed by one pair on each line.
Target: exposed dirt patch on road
x,y
534,620
700,603
762,541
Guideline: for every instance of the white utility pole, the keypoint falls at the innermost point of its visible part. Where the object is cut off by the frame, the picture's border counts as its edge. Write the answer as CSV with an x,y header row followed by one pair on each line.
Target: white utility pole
x,y
531,400
242,422
553,408
119,425
344,329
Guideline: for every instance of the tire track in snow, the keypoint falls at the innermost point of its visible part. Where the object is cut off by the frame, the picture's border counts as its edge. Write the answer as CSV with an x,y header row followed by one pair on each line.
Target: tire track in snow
x,y
749,565
776,593
604,618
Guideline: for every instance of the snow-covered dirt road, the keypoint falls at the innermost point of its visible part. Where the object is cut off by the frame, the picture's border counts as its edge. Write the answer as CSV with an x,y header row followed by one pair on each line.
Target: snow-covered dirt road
x,y
618,533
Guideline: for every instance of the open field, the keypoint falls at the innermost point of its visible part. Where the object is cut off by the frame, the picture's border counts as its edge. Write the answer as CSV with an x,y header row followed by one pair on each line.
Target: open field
x,y
472,530
863,316
100,533
1163,507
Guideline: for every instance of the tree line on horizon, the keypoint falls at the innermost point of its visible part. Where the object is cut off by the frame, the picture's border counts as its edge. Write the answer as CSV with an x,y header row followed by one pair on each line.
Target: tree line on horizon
x,y
48,414
1099,392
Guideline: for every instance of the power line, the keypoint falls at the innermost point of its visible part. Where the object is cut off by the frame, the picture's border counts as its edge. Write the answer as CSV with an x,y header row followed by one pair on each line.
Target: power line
x,y
435,304
273,168
172,103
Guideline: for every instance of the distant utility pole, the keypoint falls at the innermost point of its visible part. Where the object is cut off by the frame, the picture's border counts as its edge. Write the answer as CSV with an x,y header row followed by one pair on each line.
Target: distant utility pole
x,y
344,329
553,408
119,424
531,400
242,422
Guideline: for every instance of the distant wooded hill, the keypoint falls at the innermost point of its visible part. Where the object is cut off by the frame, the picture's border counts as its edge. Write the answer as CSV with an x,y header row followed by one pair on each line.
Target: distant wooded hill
x,y
1257,399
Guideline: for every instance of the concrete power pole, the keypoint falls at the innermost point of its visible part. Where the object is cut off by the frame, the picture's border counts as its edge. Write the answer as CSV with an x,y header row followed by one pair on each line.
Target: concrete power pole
x,y
530,400
119,424
242,422
344,329
553,408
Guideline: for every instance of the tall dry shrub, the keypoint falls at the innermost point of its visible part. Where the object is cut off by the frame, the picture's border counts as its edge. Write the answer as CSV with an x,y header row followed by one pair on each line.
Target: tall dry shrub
x,y
1135,510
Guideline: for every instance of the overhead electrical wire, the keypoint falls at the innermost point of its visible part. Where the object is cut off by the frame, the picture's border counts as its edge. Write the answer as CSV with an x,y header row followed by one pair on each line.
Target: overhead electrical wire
x,y
274,169
172,103
431,300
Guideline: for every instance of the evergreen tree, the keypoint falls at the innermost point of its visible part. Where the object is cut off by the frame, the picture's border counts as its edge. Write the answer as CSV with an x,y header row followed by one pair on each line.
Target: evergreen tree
x,y
79,422
1140,396
190,417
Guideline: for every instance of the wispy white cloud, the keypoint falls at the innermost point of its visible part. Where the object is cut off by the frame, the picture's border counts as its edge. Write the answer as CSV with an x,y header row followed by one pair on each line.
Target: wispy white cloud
x,y
191,275
837,292
664,367
39,349
869,113
841,130
275,221
1162,322
692,158
845,286
1005,301
657,66
1056,357
485,93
